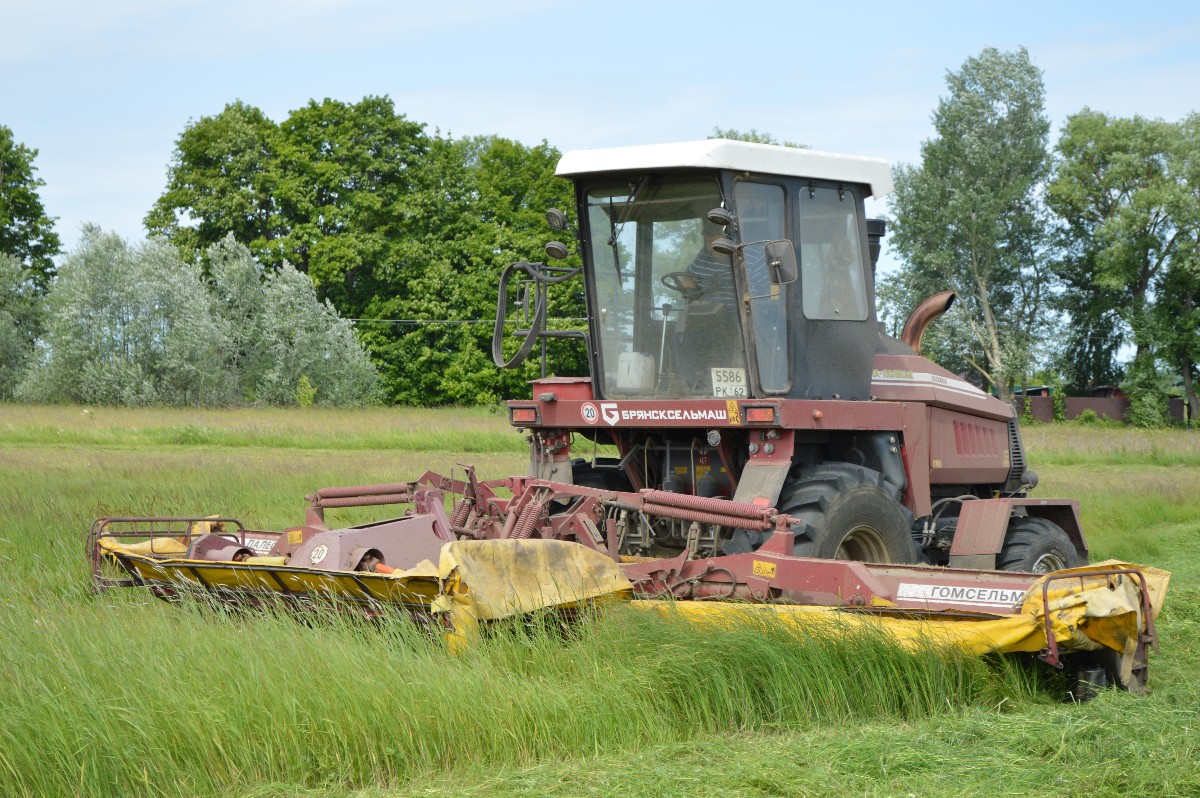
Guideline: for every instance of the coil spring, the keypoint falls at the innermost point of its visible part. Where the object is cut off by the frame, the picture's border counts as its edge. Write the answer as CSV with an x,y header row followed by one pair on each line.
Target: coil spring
x,y
530,516
462,508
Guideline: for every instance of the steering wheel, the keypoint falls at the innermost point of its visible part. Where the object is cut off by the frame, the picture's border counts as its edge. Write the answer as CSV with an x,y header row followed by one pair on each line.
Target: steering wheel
x,y
685,283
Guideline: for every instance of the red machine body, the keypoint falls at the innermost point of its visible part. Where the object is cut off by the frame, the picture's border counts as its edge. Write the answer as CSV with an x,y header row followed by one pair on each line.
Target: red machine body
x,y
735,354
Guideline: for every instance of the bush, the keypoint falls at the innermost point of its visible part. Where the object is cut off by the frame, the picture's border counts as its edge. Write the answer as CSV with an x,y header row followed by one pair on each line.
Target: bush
x,y
305,392
128,325
1090,418
1147,388
134,325
1058,395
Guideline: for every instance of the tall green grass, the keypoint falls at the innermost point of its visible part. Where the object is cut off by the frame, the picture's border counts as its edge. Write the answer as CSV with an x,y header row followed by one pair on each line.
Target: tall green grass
x,y
157,700
468,430
124,695
1075,444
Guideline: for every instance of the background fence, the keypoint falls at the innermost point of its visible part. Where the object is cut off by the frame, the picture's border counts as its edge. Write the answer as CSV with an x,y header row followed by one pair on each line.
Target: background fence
x,y
1041,408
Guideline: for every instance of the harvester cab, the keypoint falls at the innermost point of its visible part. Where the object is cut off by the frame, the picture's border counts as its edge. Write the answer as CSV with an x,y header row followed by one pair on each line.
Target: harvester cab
x,y
692,275
735,353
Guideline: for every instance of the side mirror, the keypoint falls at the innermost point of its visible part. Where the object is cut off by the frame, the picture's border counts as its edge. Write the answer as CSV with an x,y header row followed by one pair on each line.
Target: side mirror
x,y
781,262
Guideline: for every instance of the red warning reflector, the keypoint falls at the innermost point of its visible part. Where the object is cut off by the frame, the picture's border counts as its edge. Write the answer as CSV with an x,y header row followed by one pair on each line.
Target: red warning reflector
x,y
524,415
760,415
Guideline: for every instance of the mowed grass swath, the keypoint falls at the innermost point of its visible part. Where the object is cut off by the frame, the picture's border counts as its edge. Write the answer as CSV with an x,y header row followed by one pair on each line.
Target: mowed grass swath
x,y
121,694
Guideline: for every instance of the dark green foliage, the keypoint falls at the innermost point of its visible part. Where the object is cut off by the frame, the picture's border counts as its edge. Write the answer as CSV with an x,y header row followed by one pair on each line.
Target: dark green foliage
x,y
1128,193
489,203
348,177
326,190
405,232
22,315
1146,387
223,179
26,232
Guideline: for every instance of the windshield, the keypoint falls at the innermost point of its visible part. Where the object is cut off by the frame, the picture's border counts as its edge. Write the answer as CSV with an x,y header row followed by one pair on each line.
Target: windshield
x,y
665,302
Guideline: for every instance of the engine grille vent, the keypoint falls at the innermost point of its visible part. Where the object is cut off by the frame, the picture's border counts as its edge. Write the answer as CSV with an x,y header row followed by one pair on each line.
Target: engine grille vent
x,y
1016,452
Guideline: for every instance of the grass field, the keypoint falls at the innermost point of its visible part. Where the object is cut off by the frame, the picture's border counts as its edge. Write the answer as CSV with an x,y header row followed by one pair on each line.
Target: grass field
x,y
124,695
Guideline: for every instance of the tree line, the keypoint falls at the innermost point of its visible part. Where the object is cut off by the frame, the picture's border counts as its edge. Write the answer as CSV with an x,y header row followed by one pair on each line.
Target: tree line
x,y
1075,264
403,231
400,231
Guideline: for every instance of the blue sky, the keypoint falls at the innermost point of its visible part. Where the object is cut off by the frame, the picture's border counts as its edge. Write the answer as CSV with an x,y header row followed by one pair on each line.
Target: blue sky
x,y
103,89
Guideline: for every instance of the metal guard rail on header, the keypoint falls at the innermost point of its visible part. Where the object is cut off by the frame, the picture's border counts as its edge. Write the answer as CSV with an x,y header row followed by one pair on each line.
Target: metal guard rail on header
x,y
1147,637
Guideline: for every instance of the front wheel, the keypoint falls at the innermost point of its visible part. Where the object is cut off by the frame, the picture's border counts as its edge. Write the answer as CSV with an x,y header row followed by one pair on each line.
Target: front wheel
x,y
847,513
1038,546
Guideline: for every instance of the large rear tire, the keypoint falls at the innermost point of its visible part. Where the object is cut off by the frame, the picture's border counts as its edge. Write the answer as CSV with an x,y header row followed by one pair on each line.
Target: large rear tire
x,y
1038,546
848,512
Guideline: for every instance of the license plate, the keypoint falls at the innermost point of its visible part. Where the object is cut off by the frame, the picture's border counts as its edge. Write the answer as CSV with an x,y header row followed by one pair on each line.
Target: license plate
x,y
729,382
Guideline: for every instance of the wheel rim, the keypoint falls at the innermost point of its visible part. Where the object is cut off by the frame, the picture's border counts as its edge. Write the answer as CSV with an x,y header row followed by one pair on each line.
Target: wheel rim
x,y
1050,561
864,544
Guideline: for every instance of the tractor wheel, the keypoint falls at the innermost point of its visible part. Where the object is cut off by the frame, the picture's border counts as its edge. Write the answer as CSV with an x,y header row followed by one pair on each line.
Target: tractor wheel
x,y
1035,545
848,513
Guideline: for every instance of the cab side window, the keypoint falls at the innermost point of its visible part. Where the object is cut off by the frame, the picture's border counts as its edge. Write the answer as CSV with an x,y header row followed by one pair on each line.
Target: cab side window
x,y
831,262
761,213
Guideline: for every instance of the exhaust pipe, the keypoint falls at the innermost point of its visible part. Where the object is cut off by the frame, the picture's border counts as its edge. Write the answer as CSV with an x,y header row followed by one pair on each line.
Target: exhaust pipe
x,y
876,229
923,315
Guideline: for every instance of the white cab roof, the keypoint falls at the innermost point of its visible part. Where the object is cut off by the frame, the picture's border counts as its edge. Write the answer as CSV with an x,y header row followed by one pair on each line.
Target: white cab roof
x,y
740,156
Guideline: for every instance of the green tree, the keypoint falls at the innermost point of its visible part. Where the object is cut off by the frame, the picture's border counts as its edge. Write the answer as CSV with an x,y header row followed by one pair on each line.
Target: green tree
x,y
283,344
136,325
967,218
350,171
1179,308
22,315
752,135
490,195
404,232
1092,330
128,326
1126,190
1178,313
324,190
223,178
26,232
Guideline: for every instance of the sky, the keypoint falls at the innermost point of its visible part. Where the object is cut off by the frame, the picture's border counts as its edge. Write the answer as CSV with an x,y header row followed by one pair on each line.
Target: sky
x,y
104,89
